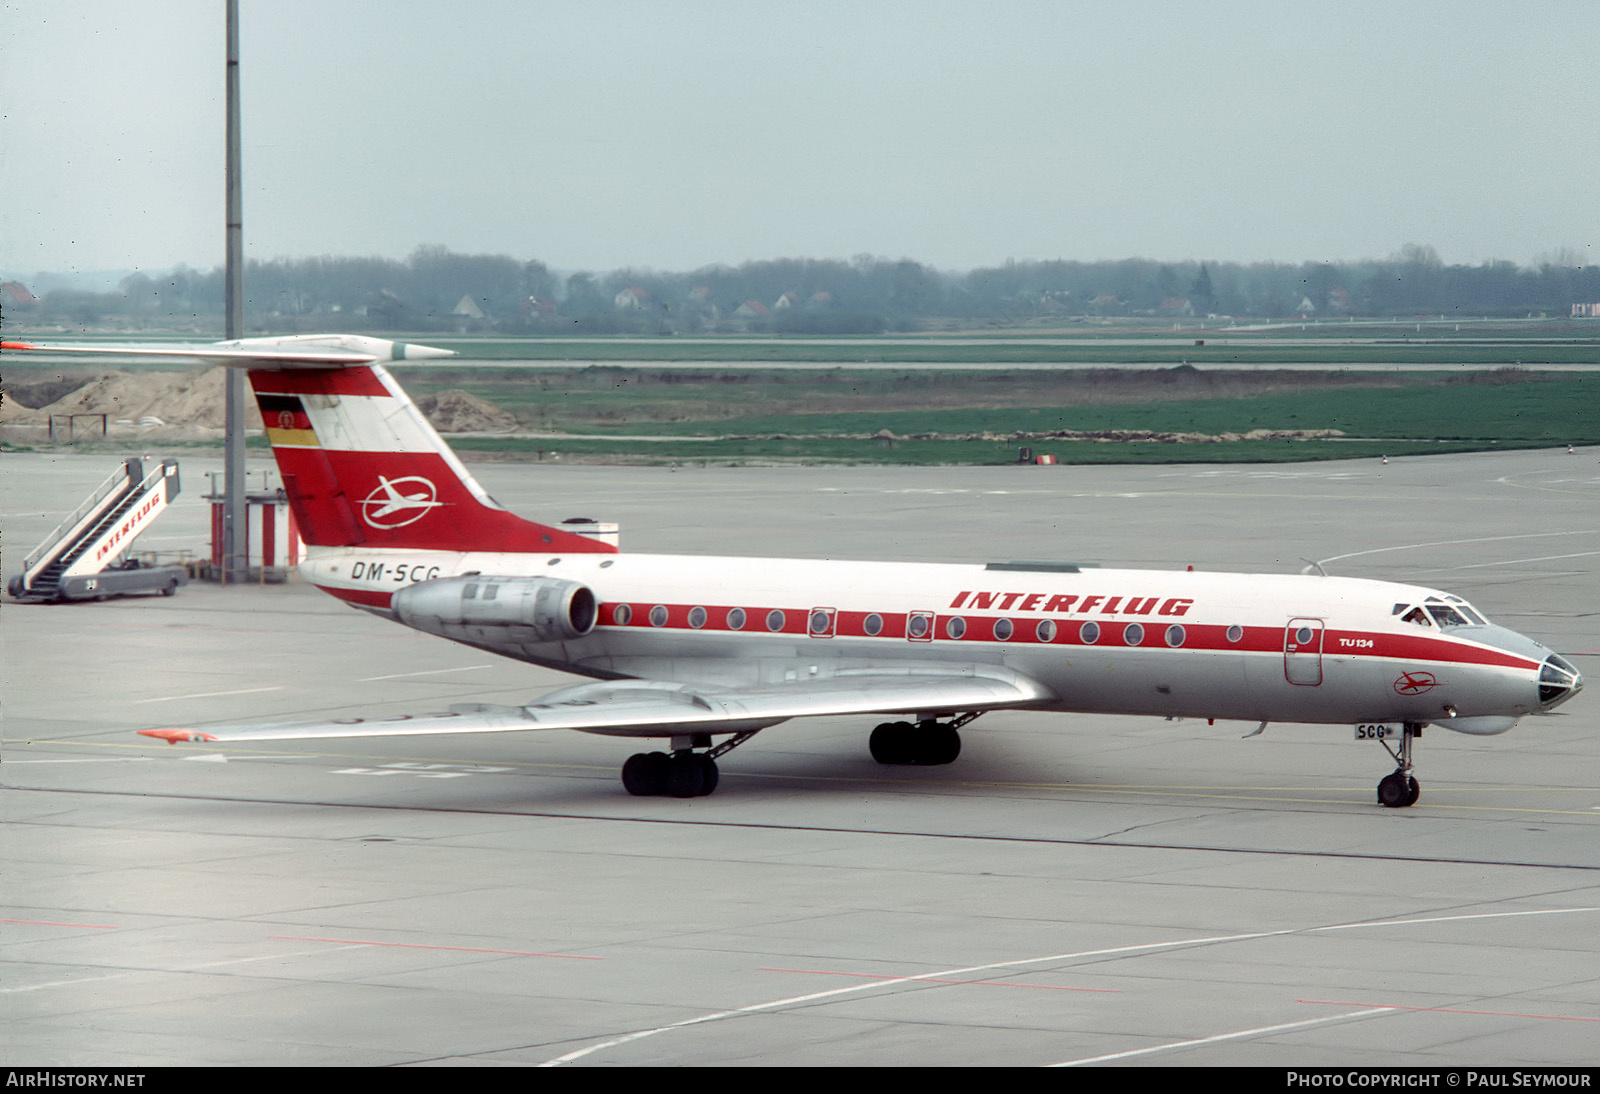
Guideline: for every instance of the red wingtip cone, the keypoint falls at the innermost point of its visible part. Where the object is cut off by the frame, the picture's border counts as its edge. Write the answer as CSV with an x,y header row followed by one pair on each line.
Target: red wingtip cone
x,y
173,736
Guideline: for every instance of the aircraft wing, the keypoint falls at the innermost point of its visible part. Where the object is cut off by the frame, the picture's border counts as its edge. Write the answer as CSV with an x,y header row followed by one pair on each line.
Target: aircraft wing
x,y
655,708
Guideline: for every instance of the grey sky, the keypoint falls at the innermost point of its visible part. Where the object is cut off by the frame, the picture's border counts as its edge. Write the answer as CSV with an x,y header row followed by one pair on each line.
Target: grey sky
x,y
675,135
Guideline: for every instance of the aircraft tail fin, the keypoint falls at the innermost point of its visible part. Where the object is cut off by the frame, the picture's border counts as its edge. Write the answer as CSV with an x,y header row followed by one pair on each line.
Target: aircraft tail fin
x,y
362,466
359,461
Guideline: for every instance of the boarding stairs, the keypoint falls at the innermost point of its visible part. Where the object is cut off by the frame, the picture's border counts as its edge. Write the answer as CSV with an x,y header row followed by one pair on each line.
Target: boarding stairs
x,y
86,556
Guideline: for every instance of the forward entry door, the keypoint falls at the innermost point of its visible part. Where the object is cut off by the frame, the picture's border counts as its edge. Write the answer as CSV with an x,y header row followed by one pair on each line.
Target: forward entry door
x,y
1302,652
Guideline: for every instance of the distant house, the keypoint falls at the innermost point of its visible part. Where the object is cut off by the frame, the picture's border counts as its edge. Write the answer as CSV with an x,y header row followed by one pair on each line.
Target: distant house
x,y
751,309
822,298
535,308
787,300
1176,305
467,315
631,300
1305,307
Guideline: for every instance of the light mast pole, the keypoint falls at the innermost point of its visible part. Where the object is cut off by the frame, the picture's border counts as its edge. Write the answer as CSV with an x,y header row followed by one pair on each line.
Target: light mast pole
x,y
235,559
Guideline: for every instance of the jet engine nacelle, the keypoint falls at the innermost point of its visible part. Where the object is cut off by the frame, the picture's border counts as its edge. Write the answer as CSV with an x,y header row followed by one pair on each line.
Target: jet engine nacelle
x,y
498,611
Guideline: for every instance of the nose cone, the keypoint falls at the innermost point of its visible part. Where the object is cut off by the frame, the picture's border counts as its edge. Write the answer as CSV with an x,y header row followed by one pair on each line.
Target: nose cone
x,y
1558,682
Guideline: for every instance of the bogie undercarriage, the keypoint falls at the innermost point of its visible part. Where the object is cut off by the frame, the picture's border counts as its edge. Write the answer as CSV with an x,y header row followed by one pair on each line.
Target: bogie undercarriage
x,y
687,773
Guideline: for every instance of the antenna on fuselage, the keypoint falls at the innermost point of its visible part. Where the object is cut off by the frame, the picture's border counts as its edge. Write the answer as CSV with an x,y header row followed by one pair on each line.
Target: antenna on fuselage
x,y
1313,564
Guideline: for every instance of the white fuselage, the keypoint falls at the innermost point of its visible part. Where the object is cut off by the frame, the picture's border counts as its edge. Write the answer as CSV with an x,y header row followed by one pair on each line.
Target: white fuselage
x,y
1215,645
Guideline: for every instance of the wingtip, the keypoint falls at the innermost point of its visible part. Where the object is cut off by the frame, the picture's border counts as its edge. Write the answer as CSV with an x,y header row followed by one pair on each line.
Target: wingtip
x,y
173,736
16,345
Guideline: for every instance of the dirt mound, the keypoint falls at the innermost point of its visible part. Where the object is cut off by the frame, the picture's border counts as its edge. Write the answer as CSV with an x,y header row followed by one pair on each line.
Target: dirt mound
x,y
456,411
192,405
194,400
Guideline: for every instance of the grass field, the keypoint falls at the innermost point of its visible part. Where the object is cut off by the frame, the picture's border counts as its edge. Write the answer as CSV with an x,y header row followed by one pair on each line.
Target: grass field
x,y
985,418
977,397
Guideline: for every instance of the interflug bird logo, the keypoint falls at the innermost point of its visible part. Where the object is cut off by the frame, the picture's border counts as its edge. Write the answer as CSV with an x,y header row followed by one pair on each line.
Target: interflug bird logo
x,y
396,503
1415,683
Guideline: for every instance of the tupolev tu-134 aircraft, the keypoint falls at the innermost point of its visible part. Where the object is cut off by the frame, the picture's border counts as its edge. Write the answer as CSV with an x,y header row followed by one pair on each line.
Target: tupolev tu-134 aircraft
x,y
694,648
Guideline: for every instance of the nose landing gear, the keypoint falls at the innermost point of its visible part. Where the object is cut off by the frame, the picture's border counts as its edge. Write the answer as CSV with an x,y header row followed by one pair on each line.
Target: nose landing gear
x,y
1400,789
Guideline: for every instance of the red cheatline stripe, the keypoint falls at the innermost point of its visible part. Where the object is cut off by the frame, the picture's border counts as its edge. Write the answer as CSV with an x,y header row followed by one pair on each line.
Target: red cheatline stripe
x,y
1453,1010
1203,637
366,597
416,946
52,923
938,980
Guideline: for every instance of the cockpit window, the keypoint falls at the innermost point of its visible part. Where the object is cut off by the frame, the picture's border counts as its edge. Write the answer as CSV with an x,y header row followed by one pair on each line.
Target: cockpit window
x,y
1451,611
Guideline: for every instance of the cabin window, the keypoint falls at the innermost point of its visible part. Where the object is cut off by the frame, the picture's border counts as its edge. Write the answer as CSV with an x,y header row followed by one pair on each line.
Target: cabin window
x,y
820,623
469,592
1133,634
1175,636
1003,629
873,625
658,616
1089,633
1302,636
697,617
1235,633
736,619
1046,630
917,625
775,620
491,591
955,627
621,614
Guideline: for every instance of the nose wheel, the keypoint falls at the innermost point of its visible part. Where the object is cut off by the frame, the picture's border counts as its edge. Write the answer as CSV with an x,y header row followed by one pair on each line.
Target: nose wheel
x,y
1400,789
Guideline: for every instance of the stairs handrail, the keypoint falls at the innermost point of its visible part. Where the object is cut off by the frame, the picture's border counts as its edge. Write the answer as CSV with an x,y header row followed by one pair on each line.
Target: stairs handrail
x,y
71,524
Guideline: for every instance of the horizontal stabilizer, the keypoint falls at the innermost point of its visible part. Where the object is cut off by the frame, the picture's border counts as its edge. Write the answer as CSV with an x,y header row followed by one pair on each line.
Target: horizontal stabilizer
x,y
294,351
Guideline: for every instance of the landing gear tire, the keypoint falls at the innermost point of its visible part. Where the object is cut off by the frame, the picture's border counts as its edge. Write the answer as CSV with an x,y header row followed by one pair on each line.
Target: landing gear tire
x,y
928,744
683,774
645,773
891,743
1398,790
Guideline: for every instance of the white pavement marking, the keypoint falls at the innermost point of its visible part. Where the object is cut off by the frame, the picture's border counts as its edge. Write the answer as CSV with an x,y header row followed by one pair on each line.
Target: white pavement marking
x,y
207,694
423,672
1258,1031
1458,542
813,997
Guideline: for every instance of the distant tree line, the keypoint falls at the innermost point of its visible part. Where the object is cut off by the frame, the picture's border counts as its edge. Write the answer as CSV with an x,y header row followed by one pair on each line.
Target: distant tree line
x,y
435,289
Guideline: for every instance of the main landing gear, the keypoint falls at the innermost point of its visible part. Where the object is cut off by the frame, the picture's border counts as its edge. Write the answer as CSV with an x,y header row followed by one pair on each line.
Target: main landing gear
x,y
929,743
1400,789
684,773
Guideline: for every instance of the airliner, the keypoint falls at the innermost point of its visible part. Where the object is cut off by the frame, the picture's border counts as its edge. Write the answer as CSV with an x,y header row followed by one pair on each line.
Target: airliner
x,y
690,650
